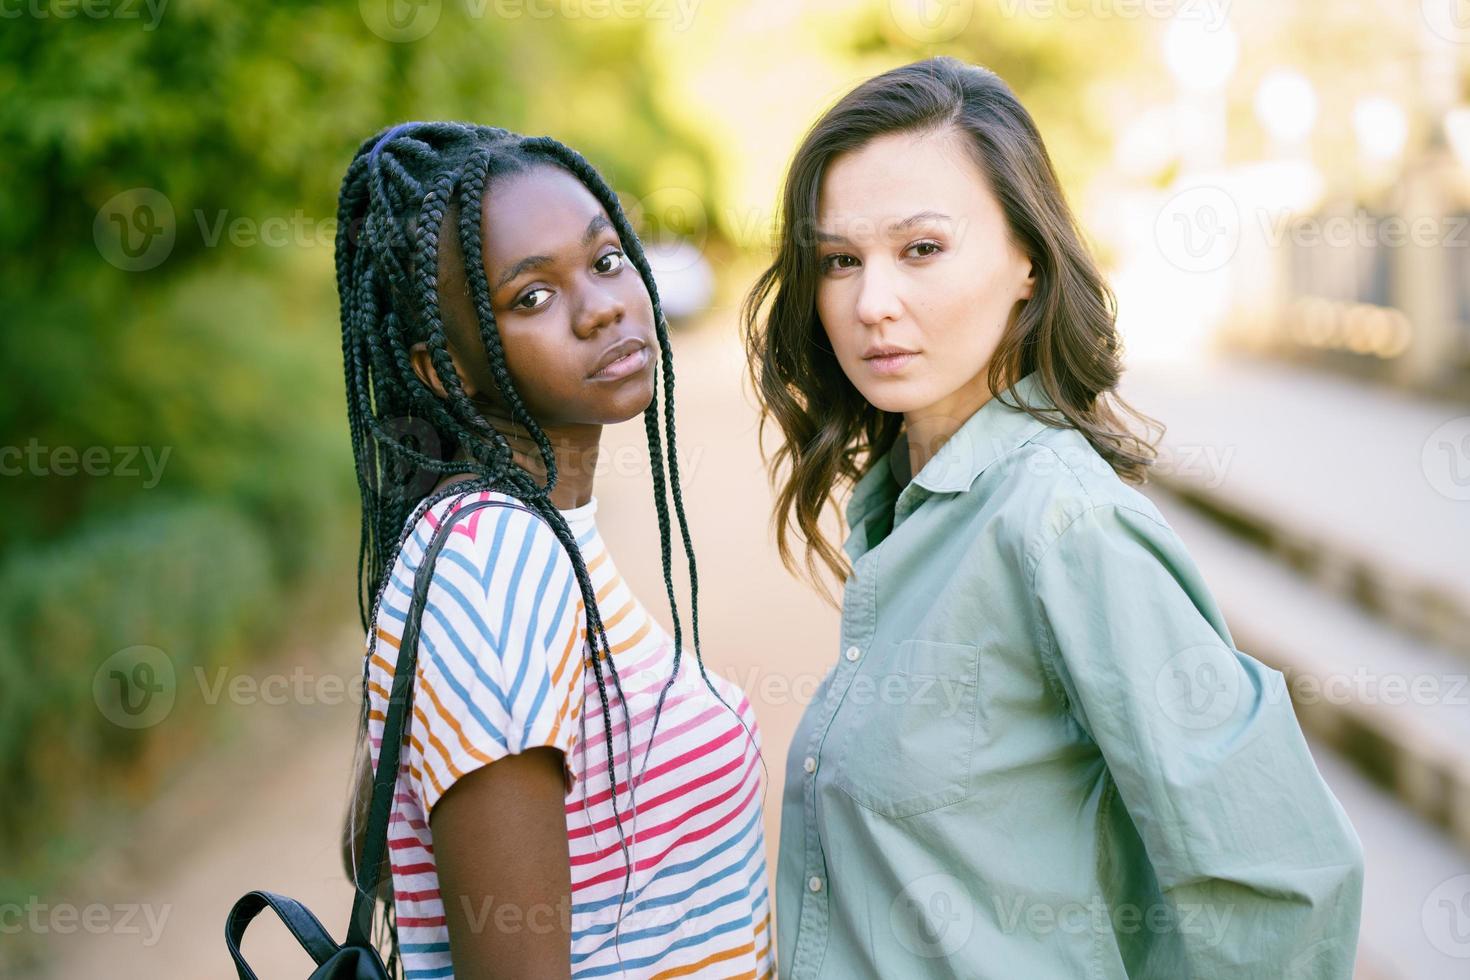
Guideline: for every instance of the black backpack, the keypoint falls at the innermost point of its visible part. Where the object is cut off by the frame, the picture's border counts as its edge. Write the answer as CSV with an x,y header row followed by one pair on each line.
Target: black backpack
x,y
356,959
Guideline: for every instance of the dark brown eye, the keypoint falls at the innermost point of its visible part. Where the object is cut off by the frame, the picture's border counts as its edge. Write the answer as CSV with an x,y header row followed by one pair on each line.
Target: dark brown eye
x,y
611,262
525,302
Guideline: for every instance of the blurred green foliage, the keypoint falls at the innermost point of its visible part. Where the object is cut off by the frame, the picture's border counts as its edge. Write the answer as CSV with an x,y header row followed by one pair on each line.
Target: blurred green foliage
x,y
233,122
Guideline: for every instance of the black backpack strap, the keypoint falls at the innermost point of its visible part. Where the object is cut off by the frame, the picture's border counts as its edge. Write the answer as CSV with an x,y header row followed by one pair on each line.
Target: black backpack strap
x,y
385,778
307,929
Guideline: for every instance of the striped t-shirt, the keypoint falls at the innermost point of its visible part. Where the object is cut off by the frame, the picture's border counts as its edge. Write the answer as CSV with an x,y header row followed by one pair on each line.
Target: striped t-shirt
x,y
501,670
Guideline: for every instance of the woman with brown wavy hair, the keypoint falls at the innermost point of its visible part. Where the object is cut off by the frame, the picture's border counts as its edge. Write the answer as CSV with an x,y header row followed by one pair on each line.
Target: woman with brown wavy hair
x,y
1039,752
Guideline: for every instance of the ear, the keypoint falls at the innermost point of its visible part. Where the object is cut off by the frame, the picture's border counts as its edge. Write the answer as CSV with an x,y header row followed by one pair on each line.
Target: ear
x,y
1028,286
423,366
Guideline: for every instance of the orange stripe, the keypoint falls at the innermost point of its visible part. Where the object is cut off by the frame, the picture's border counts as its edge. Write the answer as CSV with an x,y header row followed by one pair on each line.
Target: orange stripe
x,y
574,688
571,642
560,716
608,624
633,640
443,749
448,719
388,638
426,770
684,971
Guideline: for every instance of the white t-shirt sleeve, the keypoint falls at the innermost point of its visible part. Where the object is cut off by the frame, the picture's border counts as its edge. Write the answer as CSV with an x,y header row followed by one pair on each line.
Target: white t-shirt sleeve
x,y
500,651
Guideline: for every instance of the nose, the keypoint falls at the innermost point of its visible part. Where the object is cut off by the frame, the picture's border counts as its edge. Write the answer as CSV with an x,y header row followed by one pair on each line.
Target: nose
x,y
877,299
601,307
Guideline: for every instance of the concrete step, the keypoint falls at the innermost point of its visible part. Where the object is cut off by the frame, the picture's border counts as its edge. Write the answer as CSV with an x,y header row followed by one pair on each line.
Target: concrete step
x,y
1364,490
1416,884
1398,707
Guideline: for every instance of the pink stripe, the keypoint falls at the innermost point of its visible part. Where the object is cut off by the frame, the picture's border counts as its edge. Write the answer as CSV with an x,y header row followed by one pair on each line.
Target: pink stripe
x,y
474,520
420,923
664,735
672,794
658,770
430,895
614,874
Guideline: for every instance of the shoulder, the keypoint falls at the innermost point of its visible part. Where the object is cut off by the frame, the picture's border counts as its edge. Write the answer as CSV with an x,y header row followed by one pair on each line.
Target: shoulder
x,y
485,525
497,547
1056,486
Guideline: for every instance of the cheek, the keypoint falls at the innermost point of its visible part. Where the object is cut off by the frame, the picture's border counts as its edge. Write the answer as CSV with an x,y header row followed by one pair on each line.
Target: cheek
x,y
969,312
832,314
527,356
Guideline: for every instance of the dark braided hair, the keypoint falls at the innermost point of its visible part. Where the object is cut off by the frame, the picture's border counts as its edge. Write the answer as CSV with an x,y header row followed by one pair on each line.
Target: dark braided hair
x,y
398,191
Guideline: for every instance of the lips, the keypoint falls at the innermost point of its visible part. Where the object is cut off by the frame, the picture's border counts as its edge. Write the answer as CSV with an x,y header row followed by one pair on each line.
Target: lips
x,y
619,350
888,360
885,350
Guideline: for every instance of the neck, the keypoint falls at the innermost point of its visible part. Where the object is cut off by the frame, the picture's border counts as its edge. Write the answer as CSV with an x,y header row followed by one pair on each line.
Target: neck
x,y
575,448
930,428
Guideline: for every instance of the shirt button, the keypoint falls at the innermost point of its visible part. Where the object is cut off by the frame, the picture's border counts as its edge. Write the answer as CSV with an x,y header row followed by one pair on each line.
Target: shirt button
x,y
814,883
809,764
853,653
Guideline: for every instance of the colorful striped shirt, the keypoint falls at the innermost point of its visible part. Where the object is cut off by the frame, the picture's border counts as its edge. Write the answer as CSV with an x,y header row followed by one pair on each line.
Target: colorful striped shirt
x,y
501,670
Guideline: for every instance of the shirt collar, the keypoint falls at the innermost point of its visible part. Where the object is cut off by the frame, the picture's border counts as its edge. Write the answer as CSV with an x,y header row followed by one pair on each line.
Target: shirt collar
x,y
992,432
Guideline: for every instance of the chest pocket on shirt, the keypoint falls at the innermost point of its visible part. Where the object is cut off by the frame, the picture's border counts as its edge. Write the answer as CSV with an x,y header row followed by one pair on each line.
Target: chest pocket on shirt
x,y
911,728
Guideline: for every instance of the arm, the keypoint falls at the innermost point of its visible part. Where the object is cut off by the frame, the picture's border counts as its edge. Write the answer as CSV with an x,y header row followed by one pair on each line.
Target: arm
x,y
496,697
1203,745
500,843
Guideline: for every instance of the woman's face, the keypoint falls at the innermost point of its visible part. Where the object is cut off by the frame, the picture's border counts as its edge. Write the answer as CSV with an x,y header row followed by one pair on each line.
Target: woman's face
x,y
915,255
566,300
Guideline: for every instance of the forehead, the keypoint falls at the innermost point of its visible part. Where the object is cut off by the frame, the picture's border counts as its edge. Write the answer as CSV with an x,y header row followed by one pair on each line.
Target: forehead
x,y
540,211
897,175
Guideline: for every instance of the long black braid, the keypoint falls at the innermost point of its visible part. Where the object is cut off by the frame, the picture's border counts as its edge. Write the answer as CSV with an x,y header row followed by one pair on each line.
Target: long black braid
x,y
397,192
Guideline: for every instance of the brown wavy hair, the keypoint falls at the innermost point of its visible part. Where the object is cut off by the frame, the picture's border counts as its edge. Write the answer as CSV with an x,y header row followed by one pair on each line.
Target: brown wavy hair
x,y
1066,331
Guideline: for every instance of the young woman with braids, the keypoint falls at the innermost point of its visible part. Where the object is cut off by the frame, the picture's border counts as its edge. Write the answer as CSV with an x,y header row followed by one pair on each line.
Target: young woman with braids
x,y
497,308
1070,771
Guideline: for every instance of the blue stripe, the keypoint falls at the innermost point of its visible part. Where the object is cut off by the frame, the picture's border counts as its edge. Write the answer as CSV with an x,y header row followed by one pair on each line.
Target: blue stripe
x,y
674,869
674,899
566,594
469,604
742,921
508,604
548,653
454,685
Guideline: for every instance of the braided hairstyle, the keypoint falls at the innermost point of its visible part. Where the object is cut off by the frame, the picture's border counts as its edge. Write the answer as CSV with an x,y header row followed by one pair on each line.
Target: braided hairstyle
x,y
400,187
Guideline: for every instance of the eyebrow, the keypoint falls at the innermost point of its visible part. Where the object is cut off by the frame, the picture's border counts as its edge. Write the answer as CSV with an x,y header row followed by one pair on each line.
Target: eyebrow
x,y
597,224
904,225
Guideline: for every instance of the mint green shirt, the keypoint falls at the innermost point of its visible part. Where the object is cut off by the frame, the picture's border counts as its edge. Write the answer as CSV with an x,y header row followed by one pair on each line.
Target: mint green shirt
x,y
1039,755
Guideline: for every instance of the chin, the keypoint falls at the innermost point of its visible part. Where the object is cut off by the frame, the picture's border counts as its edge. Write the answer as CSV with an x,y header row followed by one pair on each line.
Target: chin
x,y
631,404
896,397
